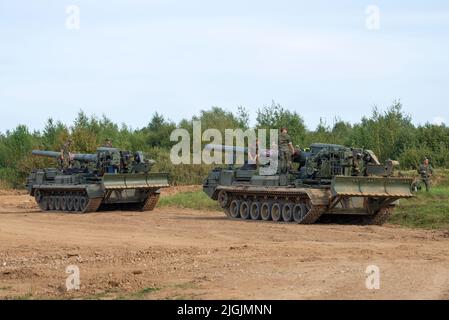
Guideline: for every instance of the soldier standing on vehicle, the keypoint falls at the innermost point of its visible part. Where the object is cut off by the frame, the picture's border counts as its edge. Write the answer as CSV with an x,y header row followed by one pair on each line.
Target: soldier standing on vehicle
x,y
426,171
66,156
108,143
286,151
253,153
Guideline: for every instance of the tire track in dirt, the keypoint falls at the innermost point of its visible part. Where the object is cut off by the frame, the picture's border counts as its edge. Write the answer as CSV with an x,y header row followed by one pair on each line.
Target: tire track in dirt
x,y
180,253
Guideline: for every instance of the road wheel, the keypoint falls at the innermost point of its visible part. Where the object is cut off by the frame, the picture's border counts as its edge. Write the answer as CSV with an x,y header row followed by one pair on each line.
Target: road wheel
x,y
244,209
83,203
299,212
254,210
51,203
69,203
234,209
76,204
57,203
64,203
276,213
265,211
43,203
287,212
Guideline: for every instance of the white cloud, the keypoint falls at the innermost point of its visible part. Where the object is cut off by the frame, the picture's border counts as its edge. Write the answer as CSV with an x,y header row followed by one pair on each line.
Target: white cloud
x,y
438,120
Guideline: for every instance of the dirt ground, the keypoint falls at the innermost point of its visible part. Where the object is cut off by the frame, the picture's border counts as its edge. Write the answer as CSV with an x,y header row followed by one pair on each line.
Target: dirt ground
x,y
186,254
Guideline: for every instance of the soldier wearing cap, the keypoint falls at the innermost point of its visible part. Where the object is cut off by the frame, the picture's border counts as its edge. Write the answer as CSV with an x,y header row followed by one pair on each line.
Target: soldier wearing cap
x,y
66,155
425,170
286,151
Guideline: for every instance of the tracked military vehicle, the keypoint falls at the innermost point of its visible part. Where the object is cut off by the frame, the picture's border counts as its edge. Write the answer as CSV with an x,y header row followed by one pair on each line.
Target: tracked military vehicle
x,y
332,181
109,179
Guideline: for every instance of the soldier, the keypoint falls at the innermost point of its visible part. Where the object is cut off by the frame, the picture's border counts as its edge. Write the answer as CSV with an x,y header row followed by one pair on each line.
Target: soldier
x,y
108,143
425,170
66,156
286,151
253,152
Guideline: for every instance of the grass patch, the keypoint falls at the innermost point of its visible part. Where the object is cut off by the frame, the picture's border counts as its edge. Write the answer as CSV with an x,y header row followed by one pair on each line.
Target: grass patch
x,y
26,296
428,210
5,288
186,285
193,200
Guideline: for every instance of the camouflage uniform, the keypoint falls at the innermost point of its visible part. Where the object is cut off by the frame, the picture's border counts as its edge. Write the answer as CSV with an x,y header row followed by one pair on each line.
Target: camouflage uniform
x,y
426,172
285,154
108,143
253,153
66,155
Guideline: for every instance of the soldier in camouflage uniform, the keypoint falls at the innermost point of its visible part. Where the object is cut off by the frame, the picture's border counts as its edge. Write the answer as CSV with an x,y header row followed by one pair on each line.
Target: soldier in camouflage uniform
x,y
425,170
108,143
286,151
66,156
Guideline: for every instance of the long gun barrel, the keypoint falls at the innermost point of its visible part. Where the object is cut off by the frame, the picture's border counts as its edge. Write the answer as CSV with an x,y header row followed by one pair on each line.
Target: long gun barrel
x,y
220,147
82,157
224,148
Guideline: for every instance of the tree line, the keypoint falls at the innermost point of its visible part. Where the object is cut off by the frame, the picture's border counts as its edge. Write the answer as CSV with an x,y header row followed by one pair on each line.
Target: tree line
x,y
390,134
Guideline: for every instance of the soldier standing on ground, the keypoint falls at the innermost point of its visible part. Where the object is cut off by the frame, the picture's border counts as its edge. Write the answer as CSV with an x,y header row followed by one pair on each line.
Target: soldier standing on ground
x,y
66,155
425,170
286,151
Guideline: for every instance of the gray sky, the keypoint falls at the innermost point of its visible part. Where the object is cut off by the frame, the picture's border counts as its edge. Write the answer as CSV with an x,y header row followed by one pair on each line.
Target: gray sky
x,y
128,59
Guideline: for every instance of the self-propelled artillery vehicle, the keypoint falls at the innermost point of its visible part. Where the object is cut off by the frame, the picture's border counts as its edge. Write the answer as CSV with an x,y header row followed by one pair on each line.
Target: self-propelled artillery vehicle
x,y
330,181
108,179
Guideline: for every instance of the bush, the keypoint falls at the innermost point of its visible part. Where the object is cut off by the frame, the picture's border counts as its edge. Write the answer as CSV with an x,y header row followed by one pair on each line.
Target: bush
x,y
390,134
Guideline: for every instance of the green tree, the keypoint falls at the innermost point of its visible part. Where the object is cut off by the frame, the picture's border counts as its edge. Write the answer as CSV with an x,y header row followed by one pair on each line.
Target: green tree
x,y
276,117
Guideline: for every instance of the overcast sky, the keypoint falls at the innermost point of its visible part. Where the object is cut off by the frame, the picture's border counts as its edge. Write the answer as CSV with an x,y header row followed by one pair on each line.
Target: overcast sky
x,y
128,59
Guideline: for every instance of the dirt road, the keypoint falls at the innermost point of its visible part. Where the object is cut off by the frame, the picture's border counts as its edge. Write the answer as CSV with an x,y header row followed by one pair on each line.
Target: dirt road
x,y
180,253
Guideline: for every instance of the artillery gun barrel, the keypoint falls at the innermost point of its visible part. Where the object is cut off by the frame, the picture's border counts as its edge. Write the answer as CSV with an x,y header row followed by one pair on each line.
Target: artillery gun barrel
x,y
48,154
85,157
220,147
82,157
